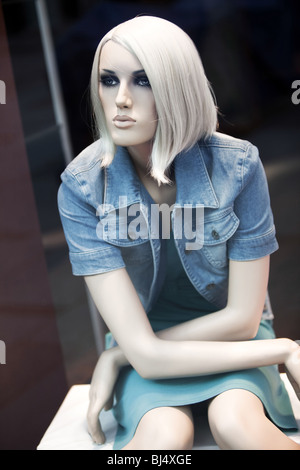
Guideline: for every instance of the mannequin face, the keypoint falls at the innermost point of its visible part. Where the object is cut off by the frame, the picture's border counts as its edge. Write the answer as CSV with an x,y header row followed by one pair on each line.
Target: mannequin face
x,y
127,99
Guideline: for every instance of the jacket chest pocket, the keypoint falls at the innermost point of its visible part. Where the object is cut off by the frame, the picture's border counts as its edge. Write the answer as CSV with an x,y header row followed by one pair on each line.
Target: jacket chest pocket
x,y
217,232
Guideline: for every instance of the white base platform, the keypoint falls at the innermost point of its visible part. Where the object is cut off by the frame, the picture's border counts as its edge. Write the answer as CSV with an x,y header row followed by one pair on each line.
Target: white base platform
x,y
68,430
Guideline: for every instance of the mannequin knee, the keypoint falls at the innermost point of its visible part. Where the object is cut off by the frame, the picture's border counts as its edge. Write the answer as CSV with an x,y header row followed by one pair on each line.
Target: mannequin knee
x,y
164,428
228,417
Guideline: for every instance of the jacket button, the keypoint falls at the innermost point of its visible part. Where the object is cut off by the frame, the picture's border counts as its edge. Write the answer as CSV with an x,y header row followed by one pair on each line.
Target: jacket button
x,y
210,286
215,235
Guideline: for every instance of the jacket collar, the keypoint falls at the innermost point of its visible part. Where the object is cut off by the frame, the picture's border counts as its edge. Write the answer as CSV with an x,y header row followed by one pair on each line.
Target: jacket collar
x,y
193,182
124,188
122,184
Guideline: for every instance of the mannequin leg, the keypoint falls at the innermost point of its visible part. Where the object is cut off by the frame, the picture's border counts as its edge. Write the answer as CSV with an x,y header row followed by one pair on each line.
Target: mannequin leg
x,y
164,428
238,422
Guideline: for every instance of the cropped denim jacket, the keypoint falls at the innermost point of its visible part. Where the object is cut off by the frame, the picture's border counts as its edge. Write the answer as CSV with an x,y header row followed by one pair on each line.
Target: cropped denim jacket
x,y
108,219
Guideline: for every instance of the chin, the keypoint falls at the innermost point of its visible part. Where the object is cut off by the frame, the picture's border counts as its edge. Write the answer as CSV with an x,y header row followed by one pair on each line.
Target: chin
x,y
126,141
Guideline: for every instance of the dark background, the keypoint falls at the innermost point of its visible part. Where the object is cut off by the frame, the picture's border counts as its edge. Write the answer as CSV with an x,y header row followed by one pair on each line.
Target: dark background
x,y
251,53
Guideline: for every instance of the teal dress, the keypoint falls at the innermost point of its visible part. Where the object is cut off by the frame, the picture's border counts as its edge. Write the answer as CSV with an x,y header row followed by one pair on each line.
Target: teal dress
x,y
178,302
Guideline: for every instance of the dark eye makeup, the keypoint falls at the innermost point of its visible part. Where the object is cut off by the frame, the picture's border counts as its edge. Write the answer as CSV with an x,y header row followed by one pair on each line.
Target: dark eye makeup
x,y
142,80
110,79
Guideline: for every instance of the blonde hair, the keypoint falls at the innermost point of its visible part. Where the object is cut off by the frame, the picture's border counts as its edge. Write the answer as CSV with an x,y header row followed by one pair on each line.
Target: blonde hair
x,y
184,100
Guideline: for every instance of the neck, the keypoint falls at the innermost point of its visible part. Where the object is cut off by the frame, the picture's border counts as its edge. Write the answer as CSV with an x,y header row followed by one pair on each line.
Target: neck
x,y
140,155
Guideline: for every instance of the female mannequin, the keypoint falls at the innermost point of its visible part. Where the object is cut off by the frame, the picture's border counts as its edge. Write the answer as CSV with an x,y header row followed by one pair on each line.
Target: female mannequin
x,y
157,120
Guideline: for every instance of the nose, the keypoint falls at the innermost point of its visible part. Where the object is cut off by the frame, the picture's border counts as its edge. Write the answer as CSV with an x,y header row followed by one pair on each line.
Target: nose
x,y
123,98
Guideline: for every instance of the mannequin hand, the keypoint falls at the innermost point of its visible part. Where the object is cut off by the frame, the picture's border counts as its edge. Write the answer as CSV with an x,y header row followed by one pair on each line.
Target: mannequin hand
x,y
101,392
292,365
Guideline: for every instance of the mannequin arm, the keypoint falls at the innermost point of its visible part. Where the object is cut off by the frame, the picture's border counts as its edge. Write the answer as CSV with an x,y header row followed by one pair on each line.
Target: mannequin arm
x,y
193,352
240,319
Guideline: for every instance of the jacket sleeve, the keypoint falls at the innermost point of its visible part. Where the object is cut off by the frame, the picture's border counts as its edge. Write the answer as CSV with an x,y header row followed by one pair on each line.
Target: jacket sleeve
x,y
255,236
89,253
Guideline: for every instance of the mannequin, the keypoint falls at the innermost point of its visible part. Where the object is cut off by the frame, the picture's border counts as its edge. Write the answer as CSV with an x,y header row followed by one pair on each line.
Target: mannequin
x,y
158,105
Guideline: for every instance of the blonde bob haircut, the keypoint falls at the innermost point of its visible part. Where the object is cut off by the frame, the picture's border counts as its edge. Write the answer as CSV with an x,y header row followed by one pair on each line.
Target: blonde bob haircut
x,y
184,100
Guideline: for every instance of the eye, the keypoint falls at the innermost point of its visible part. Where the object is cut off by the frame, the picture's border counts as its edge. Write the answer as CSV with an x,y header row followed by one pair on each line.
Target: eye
x,y
142,81
108,80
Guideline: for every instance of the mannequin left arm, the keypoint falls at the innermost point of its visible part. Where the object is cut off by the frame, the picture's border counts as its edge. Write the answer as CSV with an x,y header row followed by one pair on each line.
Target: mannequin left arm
x,y
240,319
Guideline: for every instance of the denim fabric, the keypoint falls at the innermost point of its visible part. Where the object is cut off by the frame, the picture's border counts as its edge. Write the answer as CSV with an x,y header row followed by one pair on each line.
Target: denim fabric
x,y
109,222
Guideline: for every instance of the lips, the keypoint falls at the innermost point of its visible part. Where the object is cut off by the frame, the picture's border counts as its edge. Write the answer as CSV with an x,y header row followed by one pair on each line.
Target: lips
x,y
123,121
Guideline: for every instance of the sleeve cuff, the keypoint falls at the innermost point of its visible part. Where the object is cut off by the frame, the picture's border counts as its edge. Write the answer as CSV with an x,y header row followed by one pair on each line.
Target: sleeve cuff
x,y
96,261
253,248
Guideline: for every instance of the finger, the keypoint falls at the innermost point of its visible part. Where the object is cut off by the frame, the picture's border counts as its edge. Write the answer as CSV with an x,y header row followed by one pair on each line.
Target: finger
x,y
94,426
96,432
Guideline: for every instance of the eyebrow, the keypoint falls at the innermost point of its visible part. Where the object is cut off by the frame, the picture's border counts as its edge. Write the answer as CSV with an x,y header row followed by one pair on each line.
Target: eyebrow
x,y
111,72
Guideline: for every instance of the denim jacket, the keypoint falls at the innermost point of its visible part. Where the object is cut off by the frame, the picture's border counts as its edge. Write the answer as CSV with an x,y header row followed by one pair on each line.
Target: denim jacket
x,y
222,176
